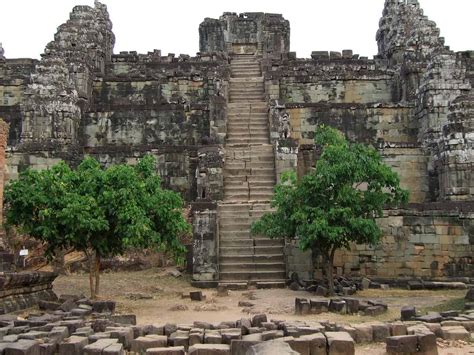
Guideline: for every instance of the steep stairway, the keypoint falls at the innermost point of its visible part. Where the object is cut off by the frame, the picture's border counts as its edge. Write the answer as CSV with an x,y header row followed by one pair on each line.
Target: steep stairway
x,y
249,179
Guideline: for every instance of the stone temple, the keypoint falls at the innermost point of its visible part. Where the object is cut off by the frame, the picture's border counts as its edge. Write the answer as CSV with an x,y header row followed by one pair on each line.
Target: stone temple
x,y
226,123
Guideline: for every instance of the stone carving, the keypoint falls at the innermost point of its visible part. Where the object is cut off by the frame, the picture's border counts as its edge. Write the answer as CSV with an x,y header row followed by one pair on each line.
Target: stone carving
x,y
284,128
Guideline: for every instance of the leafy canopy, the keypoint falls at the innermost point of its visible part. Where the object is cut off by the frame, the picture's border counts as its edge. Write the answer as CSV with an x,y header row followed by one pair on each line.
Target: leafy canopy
x,y
337,202
103,210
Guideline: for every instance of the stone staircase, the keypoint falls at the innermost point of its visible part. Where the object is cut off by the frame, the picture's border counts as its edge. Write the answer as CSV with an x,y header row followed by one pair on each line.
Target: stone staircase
x,y
249,178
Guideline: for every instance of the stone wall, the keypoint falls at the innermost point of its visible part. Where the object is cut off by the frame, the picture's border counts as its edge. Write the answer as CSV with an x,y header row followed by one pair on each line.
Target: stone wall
x,y
246,33
419,242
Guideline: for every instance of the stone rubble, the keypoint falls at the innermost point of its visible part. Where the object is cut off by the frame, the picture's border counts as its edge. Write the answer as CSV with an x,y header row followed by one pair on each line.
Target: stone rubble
x,y
99,331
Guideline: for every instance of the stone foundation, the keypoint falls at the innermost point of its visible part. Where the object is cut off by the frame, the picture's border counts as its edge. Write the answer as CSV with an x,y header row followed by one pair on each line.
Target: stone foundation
x,y
25,289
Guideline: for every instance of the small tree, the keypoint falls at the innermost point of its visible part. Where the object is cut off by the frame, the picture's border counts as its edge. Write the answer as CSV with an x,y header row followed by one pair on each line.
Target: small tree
x,y
100,212
335,204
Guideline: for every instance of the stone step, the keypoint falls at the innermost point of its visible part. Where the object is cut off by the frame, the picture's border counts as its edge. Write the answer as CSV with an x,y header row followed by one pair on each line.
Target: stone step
x,y
260,284
243,133
249,250
249,164
246,74
244,99
252,275
236,242
247,141
249,258
250,267
245,89
259,124
249,171
227,227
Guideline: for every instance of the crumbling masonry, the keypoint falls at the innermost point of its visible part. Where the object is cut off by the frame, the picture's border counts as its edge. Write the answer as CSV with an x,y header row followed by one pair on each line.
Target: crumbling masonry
x,y
226,123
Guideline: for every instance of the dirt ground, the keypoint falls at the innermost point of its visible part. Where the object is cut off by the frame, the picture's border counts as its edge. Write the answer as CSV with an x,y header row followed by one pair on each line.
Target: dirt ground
x,y
156,298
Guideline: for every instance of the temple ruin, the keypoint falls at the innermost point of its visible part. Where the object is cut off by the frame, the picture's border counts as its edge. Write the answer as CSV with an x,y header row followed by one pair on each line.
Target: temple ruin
x,y
226,123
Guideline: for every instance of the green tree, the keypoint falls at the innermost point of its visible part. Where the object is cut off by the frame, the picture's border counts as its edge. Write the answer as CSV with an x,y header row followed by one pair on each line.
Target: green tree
x,y
100,212
337,202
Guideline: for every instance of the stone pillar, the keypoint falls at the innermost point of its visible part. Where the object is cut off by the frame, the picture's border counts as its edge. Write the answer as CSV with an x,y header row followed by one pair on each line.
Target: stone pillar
x,y
4,128
6,259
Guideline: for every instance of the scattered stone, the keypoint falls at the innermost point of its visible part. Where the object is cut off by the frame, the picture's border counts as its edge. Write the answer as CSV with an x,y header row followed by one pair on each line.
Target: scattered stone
x,y
209,349
246,304
196,296
340,343
408,313
258,319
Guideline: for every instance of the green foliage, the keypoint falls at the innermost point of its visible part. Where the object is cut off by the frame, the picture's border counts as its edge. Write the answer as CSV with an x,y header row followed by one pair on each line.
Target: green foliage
x,y
94,209
337,202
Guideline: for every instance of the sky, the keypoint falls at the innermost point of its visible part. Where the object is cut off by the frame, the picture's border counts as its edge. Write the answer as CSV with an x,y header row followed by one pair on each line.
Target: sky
x,y
26,26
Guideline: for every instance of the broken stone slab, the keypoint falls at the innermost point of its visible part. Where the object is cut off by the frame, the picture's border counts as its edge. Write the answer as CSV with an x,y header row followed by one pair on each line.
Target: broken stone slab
x,y
99,346
103,306
317,343
230,334
380,332
272,348
427,343
196,296
352,305
455,333
363,333
23,347
209,349
129,319
374,311
340,343
430,318
148,342
397,329
212,337
174,350
403,344
123,334
73,345
258,319
242,346
114,349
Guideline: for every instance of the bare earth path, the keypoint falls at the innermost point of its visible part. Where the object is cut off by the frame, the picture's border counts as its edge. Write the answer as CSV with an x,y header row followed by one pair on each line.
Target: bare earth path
x,y
132,291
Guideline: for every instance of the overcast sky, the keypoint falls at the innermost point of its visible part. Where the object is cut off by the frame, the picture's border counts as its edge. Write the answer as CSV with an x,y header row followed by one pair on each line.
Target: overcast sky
x,y
26,26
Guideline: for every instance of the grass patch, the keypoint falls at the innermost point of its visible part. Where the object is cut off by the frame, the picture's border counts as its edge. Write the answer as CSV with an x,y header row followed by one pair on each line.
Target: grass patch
x,y
456,304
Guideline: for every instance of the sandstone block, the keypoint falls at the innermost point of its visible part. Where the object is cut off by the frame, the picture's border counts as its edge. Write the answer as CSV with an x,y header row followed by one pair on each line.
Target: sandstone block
x,y
408,313
455,333
363,333
302,306
175,350
209,349
73,345
404,344
340,343
23,347
148,342
272,348
380,332
114,349
241,347
258,319
99,346
317,343
319,306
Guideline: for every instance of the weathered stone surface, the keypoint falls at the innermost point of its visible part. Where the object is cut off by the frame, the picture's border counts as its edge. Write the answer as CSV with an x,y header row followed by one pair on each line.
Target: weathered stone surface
x,y
403,344
209,349
340,343
73,345
272,348
147,342
408,313
175,350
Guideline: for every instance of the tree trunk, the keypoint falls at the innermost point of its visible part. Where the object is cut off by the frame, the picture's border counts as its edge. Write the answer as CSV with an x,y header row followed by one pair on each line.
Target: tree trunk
x,y
97,274
91,274
330,270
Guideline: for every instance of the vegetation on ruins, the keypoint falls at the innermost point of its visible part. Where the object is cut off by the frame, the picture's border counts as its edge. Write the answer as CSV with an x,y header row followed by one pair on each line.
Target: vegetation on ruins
x,y
336,203
100,212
